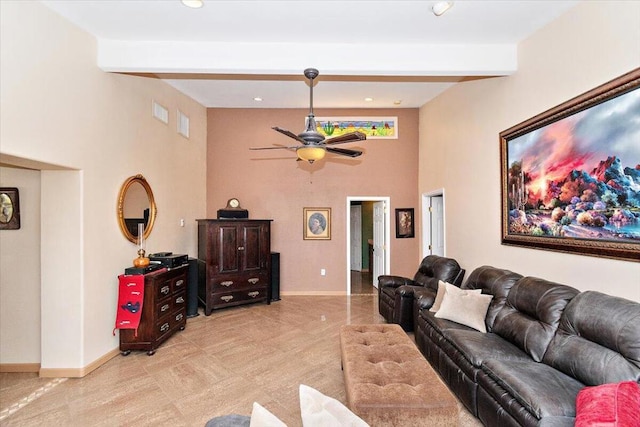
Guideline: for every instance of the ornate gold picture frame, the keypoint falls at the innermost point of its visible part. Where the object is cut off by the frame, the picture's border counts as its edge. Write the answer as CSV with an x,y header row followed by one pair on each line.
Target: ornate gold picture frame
x,y
316,224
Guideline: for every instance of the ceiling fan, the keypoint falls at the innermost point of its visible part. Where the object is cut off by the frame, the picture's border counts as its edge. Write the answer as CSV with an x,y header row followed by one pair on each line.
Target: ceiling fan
x,y
314,145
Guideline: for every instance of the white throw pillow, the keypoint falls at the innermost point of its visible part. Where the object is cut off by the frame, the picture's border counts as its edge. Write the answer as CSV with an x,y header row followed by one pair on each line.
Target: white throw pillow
x,y
465,307
437,302
318,410
261,417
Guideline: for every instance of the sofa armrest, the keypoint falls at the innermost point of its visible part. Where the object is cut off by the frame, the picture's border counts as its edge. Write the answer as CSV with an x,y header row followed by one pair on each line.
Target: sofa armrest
x,y
424,298
394,281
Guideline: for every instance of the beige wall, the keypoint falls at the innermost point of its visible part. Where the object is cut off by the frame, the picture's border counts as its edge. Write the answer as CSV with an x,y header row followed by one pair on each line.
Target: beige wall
x,y
19,272
271,184
459,150
58,108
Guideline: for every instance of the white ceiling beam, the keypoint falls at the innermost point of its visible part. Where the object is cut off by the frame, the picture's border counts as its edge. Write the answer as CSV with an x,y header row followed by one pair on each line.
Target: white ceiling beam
x,y
291,58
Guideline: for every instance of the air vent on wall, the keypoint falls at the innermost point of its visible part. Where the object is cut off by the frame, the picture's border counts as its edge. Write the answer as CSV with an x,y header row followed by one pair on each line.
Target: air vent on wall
x,y
183,124
160,113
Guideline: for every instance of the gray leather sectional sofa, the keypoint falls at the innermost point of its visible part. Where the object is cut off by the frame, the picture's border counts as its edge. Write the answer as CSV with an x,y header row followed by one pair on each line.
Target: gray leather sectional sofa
x,y
544,343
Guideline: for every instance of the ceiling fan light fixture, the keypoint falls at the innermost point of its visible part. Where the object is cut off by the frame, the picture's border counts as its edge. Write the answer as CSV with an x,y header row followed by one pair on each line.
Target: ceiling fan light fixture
x,y
311,154
439,8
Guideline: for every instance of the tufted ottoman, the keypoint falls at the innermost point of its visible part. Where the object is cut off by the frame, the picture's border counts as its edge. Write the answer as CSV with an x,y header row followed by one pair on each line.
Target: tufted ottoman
x,y
389,382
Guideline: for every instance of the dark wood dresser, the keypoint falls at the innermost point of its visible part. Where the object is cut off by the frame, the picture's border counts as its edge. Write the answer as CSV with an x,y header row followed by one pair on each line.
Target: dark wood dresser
x,y
237,262
163,311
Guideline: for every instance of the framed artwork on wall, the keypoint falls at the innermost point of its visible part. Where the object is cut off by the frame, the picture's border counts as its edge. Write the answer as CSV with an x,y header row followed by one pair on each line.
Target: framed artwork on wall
x,y
571,175
404,223
316,224
373,127
9,208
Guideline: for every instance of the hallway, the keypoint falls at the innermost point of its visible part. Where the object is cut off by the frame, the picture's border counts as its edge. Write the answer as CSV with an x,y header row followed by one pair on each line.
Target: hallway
x,y
362,283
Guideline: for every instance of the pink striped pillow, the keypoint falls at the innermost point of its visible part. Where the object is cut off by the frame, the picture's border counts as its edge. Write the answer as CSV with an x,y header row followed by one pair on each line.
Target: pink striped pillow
x,y
609,405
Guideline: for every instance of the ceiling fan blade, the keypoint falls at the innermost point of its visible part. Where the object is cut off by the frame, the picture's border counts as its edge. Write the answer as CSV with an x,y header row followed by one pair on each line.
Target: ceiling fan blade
x,y
289,134
275,148
347,137
344,152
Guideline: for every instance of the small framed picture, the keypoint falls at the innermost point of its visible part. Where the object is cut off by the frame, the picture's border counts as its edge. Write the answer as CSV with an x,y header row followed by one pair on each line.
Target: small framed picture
x,y
317,224
9,208
404,223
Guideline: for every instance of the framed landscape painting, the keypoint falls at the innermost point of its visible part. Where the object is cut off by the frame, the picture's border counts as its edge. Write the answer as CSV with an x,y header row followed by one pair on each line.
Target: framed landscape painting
x,y
571,175
373,127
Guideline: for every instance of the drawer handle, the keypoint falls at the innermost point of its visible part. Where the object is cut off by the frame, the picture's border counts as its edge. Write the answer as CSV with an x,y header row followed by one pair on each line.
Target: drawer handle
x,y
227,283
241,248
179,282
253,280
164,308
253,294
165,290
179,317
179,300
164,327
227,298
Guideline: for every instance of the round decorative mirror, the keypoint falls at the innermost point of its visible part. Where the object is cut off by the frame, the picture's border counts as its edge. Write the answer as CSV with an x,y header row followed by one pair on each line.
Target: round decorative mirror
x,y
136,206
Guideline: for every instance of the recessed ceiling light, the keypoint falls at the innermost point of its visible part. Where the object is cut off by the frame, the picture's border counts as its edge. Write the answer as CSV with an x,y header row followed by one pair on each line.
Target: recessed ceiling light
x,y
194,4
368,99
441,7
257,98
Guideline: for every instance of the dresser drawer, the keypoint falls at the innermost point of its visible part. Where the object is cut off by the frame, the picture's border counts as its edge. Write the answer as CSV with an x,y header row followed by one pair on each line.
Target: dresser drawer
x,y
163,289
178,318
164,308
178,284
179,301
163,327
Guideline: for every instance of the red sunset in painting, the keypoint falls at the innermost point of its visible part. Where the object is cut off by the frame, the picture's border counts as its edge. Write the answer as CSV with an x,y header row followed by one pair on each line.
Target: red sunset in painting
x,y
579,177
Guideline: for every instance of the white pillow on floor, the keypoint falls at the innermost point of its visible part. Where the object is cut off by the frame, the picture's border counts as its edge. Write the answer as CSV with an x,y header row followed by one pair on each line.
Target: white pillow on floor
x,y
318,410
261,417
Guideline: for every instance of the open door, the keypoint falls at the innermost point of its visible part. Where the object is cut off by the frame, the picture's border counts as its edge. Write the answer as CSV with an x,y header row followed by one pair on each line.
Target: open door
x,y
379,246
381,235
433,224
355,224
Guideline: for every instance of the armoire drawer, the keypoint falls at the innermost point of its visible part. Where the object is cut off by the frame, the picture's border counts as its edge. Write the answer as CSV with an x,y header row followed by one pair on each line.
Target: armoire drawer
x,y
232,298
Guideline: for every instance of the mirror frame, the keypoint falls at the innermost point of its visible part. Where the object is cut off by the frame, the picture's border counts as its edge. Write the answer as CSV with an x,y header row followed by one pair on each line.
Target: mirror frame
x,y
152,207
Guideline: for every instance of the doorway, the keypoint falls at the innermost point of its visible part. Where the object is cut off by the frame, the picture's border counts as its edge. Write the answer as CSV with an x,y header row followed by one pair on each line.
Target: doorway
x,y
433,241
379,230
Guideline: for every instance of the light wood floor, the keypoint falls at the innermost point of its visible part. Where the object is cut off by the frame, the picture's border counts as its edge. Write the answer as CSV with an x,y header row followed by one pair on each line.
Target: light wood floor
x,y
218,365
361,283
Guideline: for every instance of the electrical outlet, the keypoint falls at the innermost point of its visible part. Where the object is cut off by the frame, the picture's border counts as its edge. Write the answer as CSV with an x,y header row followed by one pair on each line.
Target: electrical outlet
x,y
181,222
323,272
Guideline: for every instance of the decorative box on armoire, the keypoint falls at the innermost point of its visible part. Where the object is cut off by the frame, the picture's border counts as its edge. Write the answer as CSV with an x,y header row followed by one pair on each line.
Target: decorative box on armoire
x,y
237,262
163,311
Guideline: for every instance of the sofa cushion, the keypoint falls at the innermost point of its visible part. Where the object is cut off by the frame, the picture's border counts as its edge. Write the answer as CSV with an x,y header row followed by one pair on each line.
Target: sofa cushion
x,y
540,389
531,314
492,281
464,306
477,347
614,405
598,339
